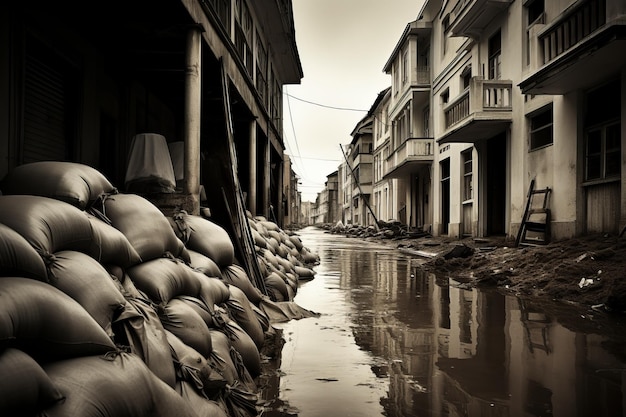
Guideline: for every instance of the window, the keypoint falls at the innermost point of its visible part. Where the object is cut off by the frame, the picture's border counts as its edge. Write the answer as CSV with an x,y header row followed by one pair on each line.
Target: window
x,y
602,152
495,49
541,128
261,68
466,76
603,133
446,28
534,14
427,122
445,96
405,67
467,175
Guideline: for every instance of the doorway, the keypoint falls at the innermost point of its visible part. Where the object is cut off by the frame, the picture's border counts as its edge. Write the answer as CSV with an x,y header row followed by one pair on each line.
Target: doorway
x,y
496,185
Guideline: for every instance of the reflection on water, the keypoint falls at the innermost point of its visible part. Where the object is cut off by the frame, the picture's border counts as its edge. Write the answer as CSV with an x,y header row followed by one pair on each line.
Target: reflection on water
x,y
394,341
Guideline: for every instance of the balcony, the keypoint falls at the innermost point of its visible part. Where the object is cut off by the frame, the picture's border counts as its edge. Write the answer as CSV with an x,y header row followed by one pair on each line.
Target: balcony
x,y
408,156
582,40
482,111
470,17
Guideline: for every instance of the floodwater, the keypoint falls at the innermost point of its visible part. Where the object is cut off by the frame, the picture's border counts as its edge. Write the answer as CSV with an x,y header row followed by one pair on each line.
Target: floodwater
x,y
393,341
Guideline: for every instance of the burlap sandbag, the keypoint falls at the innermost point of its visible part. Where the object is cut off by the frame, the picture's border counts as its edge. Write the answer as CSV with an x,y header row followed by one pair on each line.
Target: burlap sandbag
x,y
240,309
46,323
74,183
203,406
163,279
185,323
25,388
49,225
110,246
204,264
18,257
144,225
139,327
113,386
237,276
205,236
86,281
193,368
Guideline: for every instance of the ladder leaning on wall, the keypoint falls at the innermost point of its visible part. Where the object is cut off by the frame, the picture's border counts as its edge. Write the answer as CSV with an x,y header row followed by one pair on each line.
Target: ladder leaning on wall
x,y
535,226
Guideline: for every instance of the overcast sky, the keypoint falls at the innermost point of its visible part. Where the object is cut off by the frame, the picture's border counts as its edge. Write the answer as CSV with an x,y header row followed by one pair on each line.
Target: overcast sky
x,y
343,47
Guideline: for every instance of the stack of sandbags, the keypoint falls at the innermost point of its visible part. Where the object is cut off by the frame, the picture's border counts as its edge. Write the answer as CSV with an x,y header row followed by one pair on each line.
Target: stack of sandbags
x,y
285,260
101,306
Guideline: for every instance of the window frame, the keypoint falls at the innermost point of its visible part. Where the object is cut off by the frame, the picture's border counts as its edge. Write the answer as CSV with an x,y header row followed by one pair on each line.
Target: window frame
x,y
534,145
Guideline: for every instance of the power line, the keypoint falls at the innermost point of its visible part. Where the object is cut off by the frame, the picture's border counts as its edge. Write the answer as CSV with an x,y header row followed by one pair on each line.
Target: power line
x,y
293,129
324,105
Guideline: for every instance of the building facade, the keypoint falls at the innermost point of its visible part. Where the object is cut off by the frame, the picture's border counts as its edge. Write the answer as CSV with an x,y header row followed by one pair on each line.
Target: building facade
x,y
489,98
77,86
410,153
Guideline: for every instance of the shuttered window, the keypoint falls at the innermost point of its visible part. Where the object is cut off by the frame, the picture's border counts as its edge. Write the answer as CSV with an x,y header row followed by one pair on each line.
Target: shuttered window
x,y
49,118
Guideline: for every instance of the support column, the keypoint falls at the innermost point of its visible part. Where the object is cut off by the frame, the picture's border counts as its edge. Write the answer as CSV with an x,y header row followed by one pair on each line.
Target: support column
x,y
252,194
266,178
192,116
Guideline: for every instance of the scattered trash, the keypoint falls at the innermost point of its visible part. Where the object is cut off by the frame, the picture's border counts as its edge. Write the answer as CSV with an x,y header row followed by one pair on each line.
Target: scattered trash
x,y
585,282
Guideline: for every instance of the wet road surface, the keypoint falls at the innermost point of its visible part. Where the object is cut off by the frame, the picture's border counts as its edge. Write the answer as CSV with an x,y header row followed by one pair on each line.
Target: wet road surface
x,y
393,341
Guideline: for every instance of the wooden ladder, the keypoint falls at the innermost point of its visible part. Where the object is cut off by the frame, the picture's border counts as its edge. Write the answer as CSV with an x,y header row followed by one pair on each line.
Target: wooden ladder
x,y
536,219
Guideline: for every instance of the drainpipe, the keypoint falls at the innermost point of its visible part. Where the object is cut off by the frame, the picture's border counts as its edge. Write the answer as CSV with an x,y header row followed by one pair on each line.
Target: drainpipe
x,y
192,117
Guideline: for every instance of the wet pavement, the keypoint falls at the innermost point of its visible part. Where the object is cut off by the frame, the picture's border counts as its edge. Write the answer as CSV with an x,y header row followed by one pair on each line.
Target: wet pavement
x,y
394,341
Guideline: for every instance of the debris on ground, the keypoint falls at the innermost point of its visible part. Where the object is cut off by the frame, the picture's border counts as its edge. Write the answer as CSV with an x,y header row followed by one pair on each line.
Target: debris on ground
x,y
587,270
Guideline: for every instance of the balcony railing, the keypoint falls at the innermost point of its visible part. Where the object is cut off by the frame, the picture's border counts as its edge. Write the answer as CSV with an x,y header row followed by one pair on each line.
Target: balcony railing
x,y
423,75
572,28
483,96
411,150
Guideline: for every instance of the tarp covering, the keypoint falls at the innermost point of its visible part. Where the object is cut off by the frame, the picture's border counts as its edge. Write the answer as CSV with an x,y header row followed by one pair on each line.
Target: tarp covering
x,y
149,168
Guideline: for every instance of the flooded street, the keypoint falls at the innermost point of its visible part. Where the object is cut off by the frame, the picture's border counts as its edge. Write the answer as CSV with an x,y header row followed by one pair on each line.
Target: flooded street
x,y
393,341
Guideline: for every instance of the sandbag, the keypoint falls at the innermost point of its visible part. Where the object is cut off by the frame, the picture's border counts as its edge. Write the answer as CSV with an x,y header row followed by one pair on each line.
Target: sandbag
x,y
237,276
18,257
144,225
297,242
258,239
113,386
48,225
25,388
110,246
264,320
304,273
86,281
202,406
46,323
163,279
208,315
140,328
244,345
221,357
205,236
74,183
193,368
277,287
204,264
185,323
240,309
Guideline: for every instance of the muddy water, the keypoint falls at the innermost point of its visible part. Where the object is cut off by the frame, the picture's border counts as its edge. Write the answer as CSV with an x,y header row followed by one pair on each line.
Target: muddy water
x,y
393,341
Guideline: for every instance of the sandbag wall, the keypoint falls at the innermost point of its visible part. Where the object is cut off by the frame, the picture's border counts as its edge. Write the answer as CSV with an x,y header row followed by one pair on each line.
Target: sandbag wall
x,y
107,305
